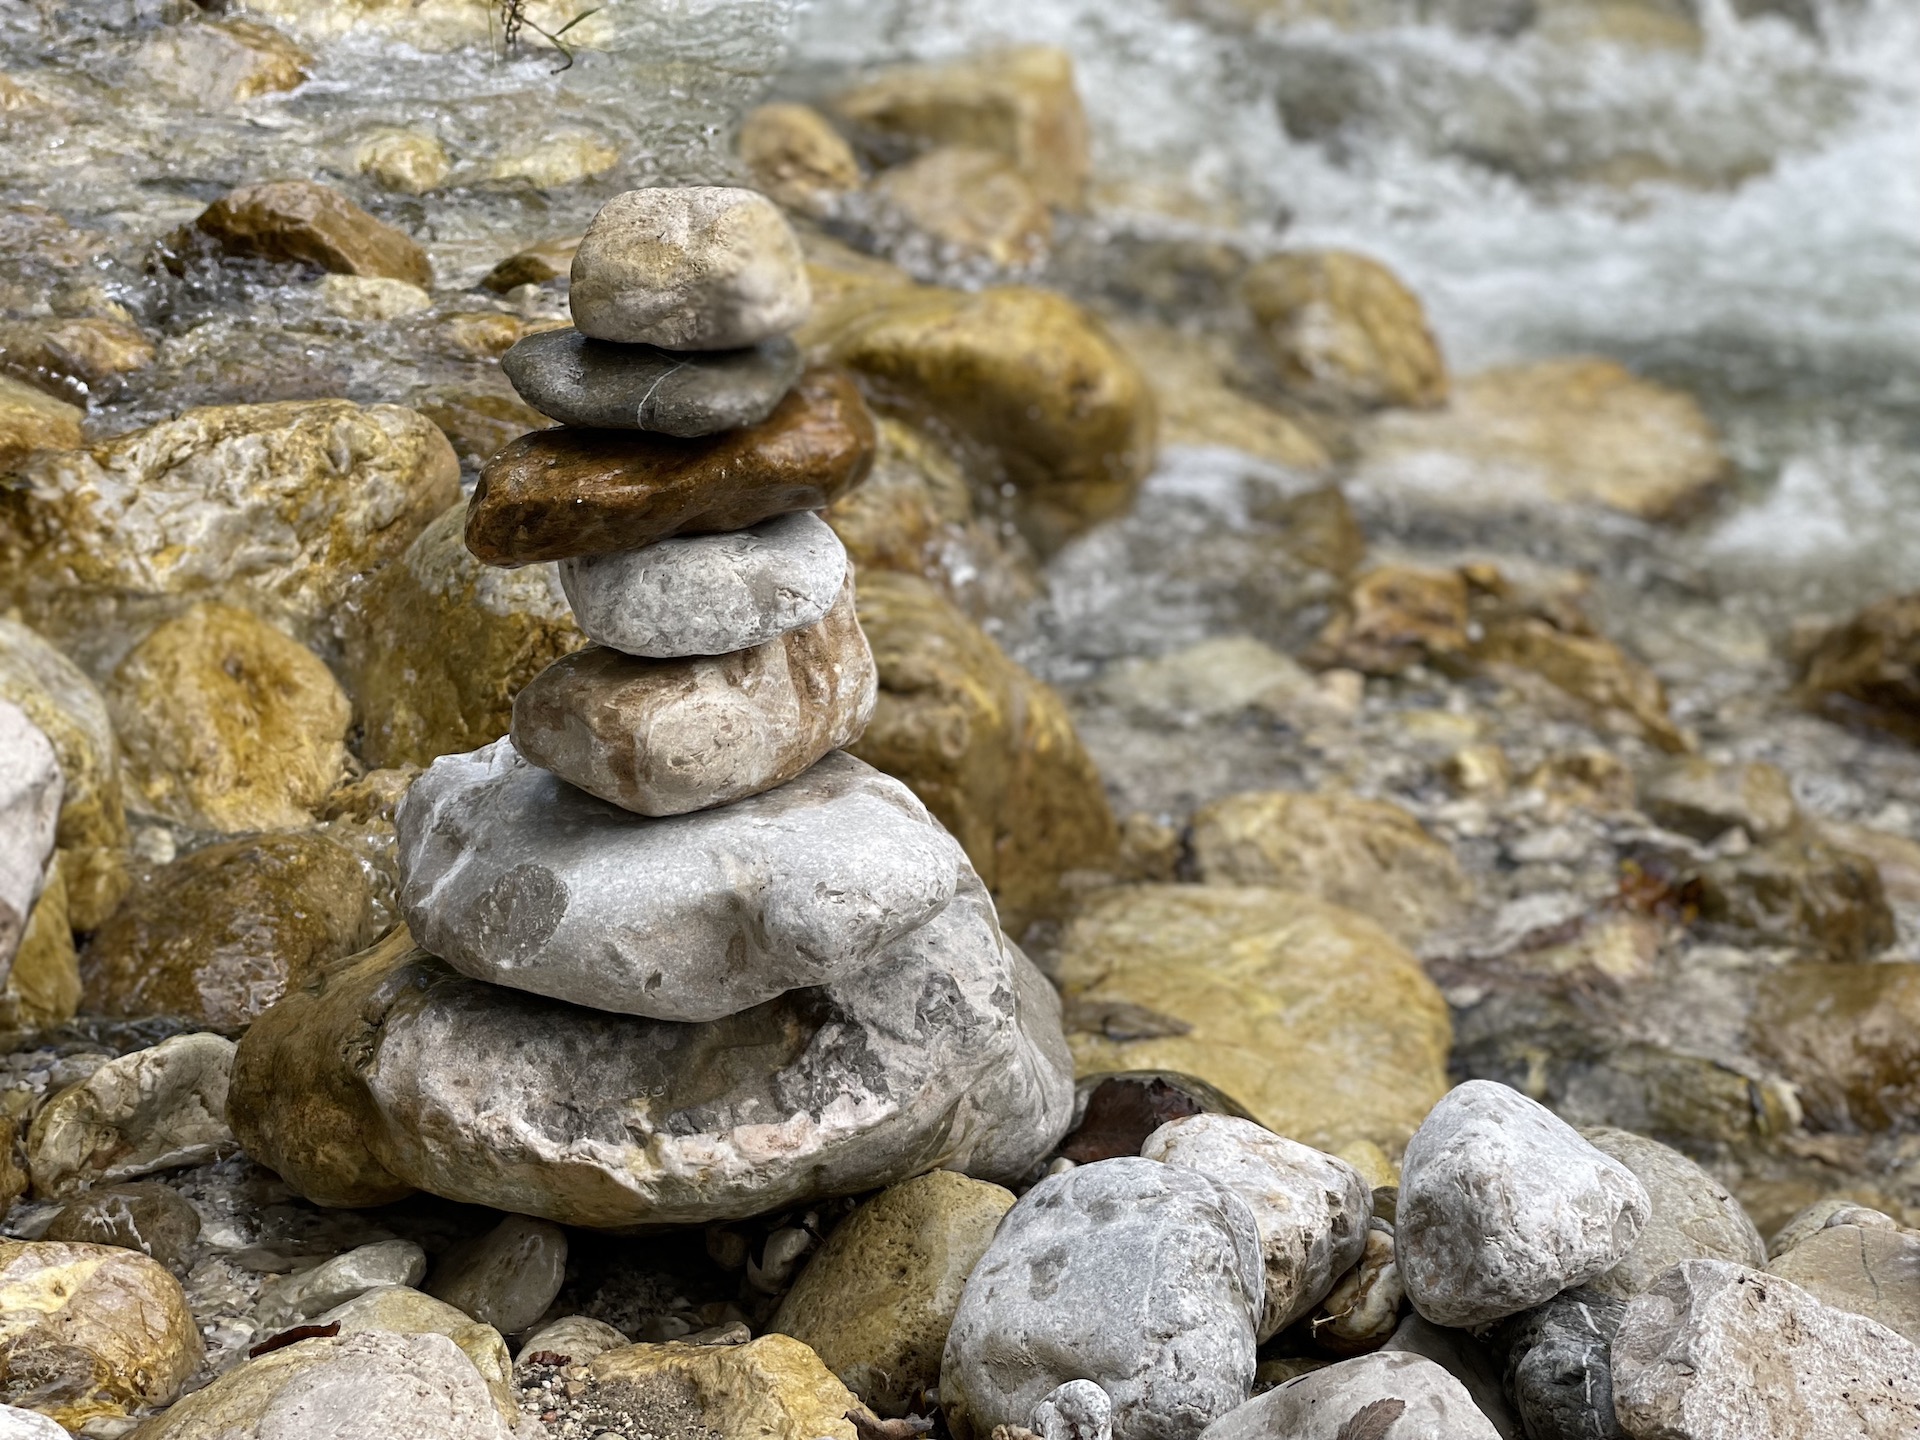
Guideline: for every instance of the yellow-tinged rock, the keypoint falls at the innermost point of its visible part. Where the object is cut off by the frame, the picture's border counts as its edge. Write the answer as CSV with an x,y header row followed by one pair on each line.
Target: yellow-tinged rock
x,y
479,422
1345,332
796,156
313,224
1310,1015
220,62
441,644
91,1331
227,724
1619,692
1396,616
43,988
412,162
1198,407
1368,855
1576,431
1036,391
836,273
1020,102
69,357
72,713
773,1388
550,259
989,749
1866,671
558,160
878,1299
972,204
32,420
283,509
441,25
1643,24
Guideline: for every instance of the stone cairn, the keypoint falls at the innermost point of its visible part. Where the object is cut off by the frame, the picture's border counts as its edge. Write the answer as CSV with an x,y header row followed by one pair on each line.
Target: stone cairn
x,y
674,956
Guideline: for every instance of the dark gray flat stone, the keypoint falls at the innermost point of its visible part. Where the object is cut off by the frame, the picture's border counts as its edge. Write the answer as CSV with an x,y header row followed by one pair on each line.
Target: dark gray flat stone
x,y
597,383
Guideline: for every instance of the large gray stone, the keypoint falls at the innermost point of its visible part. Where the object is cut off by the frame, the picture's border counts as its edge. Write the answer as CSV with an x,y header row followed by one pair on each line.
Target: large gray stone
x,y
507,1277
1503,1205
709,267
1142,1278
1713,1350
18,1424
1387,1396
1312,1209
1693,1216
300,1296
391,1071
709,594
580,381
514,877
667,737
1559,1367
1467,1360
370,1385
30,792
1870,1270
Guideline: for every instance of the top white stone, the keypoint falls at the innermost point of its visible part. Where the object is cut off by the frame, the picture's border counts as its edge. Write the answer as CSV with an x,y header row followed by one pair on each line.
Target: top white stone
x,y
1502,1206
708,267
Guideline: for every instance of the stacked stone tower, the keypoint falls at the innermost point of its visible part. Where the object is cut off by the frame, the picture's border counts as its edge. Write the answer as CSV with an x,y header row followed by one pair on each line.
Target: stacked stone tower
x,y
673,955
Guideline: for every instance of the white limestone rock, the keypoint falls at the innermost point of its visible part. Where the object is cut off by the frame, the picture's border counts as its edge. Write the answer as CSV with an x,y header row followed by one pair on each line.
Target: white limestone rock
x,y
1713,1350
1145,1279
1312,1209
30,794
709,594
1502,1206
1392,1395
514,877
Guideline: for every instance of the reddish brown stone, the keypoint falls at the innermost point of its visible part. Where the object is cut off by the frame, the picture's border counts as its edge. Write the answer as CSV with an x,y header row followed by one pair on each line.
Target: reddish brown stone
x,y
564,492
301,220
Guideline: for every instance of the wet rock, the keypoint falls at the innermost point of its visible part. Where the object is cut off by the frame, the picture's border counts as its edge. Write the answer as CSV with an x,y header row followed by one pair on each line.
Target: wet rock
x,y
972,204
1311,1016
1198,405
441,644
1847,1037
561,493
397,1310
30,791
556,161
411,162
73,358
218,935
1616,692
43,988
709,594
1643,24
773,1387
31,420
92,1331
504,878
507,1277
796,156
1369,855
878,1298
1020,102
1803,892
1310,1208
305,1293
1559,1368
302,220
478,422
1397,616
1869,1270
220,62
1693,1216
537,265
1114,1114
944,1052
1699,798
667,737
578,1337
1554,432
1362,1311
989,749
146,1216
373,298
1058,1295
702,268
1503,1205
1716,1349
1032,386
1467,1360
399,1387
579,381
1345,332
227,724
279,508
143,1112
1867,670
1392,1396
